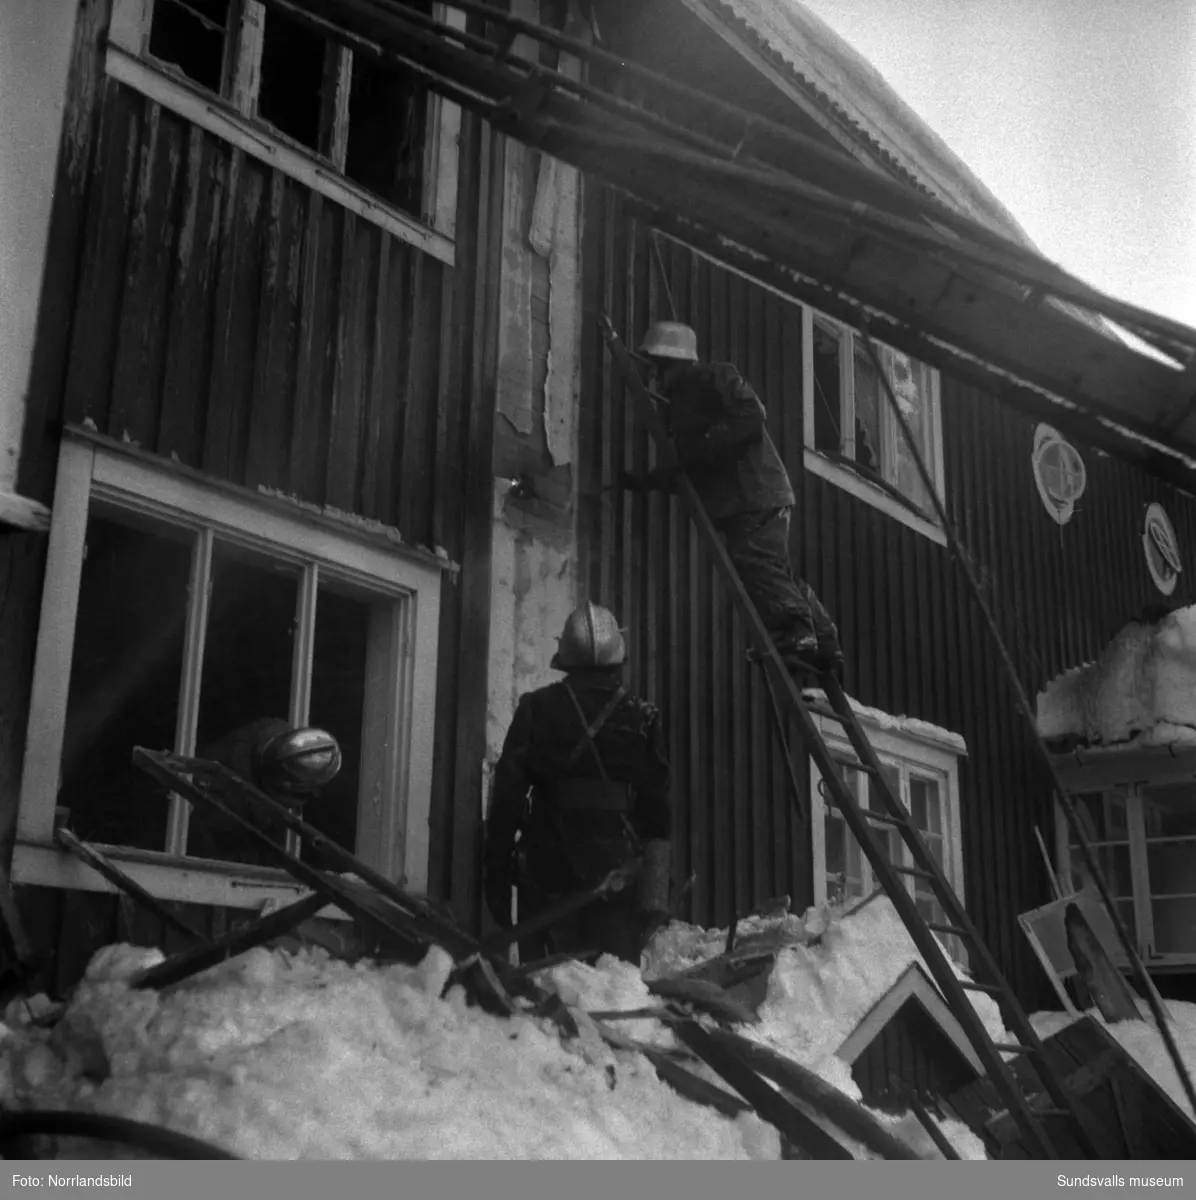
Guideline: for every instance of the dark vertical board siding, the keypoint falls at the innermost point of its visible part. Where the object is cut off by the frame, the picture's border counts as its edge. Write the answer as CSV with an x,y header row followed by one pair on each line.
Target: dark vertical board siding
x,y
189,320
223,315
915,640
227,316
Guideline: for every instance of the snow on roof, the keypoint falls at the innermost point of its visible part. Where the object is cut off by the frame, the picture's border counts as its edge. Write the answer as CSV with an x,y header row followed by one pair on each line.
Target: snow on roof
x,y
1140,691
910,727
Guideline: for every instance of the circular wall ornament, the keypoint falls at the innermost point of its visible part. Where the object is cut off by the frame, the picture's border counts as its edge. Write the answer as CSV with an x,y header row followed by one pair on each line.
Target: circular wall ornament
x,y
1059,473
1162,549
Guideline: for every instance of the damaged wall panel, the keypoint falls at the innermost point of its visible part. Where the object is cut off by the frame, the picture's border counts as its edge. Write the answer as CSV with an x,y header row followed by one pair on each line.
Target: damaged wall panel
x,y
535,559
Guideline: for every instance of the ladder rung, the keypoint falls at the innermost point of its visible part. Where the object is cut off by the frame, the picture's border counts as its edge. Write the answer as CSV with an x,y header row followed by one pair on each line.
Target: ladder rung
x,y
824,710
971,985
916,872
1015,1048
885,818
953,930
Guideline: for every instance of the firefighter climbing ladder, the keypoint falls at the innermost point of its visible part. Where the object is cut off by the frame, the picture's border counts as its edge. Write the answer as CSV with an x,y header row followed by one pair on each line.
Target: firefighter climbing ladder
x,y
895,817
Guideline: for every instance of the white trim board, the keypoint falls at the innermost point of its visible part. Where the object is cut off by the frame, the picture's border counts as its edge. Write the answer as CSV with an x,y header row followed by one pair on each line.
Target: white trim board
x,y
912,984
209,112
868,492
187,880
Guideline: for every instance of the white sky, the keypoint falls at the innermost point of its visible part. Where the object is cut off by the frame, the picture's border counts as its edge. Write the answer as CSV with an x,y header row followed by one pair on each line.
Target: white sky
x,y
1079,115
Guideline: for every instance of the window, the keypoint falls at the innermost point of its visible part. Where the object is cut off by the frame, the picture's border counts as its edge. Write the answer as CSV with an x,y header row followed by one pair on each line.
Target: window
x,y
852,436
1144,836
178,611
922,770
1162,549
369,135
1059,473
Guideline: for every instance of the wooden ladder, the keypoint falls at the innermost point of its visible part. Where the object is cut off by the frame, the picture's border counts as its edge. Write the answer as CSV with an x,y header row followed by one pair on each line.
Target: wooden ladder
x,y
864,827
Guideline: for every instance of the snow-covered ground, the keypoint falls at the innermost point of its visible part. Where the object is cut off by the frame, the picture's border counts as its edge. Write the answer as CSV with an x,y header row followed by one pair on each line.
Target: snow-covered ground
x,y
1141,690
276,1055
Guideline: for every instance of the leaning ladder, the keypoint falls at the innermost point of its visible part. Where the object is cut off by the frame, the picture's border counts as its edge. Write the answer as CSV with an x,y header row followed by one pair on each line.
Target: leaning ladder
x,y
894,817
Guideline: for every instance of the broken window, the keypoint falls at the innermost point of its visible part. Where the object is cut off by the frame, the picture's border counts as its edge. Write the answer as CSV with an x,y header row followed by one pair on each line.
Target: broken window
x,y
292,79
851,421
365,119
191,36
387,119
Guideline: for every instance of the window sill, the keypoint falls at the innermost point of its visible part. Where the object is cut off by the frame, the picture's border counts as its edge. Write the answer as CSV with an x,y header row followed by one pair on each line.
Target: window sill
x,y
210,113
186,880
862,489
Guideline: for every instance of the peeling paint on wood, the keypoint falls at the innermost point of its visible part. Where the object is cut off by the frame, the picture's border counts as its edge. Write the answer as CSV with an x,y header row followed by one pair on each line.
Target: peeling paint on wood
x,y
515,347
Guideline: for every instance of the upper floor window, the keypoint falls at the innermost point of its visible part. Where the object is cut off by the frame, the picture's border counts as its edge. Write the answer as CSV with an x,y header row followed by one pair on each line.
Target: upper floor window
x,y
851,427
370,135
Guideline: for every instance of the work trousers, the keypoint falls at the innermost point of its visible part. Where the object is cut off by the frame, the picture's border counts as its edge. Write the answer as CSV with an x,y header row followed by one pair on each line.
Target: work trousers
x,y
758,543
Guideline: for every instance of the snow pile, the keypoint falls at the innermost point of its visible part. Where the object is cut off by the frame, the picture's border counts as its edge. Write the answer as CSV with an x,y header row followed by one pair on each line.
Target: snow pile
x,y
1142,689
275,1056
826,979
819,993
1141,1040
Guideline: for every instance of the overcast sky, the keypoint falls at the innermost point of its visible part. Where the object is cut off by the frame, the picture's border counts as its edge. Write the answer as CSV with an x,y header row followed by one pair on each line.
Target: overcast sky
x,y
1080,115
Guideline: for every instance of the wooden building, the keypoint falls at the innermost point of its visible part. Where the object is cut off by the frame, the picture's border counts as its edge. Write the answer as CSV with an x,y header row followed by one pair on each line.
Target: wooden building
x,y
313,417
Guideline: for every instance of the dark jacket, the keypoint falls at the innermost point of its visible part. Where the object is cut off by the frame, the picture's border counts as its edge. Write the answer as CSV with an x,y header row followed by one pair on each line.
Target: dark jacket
x,y
719,428
562,849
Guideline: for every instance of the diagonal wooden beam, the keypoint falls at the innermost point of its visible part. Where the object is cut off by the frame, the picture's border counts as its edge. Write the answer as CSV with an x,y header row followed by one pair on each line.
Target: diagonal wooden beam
x,y
115,876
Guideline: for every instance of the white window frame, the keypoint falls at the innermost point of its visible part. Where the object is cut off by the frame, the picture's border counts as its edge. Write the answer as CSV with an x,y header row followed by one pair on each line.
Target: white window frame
x,y
234,120
928,751
1143,923
397,751
843,476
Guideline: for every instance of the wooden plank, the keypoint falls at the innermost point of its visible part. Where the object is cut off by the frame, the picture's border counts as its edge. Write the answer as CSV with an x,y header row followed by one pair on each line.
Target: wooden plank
x,y
345,433
380,392
181,967
238,314
102,272
418,481
274,358
141,347
190,313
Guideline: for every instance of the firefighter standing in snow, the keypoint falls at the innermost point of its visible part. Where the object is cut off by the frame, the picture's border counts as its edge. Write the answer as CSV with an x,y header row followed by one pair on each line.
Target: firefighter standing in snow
x,y
583,780
718,426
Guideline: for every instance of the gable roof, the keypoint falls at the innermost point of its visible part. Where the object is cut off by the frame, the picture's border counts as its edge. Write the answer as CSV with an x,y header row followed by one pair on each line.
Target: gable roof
x,y
852,95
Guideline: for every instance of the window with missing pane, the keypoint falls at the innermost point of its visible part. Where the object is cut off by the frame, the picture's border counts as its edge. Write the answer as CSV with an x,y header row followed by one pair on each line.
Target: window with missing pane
x,y
851,419
192,36
361,117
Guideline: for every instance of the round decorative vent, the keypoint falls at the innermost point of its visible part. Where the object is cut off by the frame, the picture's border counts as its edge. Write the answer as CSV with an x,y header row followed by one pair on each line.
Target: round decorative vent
x,y
1058,472
1162,550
